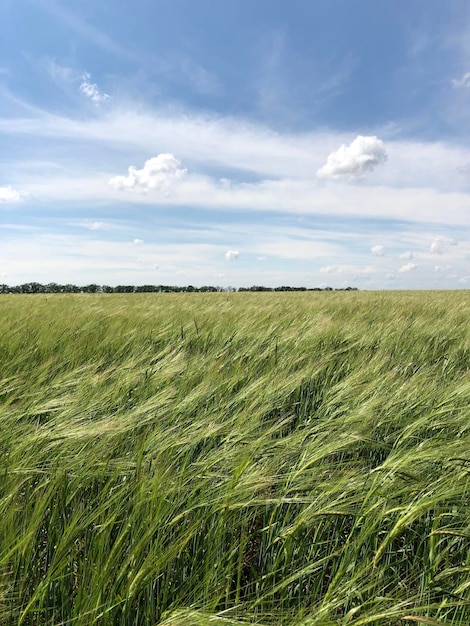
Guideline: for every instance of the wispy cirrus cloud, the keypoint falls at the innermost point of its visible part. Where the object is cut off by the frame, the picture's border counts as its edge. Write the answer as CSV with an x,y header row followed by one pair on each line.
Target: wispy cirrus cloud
x,y
104,261
464,81
230,143
60,73
184,70
348,269
96,36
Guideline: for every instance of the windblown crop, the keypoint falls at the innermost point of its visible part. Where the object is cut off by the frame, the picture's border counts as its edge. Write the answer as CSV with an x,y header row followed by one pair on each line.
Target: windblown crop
x,y
275,459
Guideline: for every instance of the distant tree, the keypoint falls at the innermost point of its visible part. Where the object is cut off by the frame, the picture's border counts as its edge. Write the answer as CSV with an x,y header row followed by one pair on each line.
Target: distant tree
x,y
31,288
90,288
52,288
145,289
69,288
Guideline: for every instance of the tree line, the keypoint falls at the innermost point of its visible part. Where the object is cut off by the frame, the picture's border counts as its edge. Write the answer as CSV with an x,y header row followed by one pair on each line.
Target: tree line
x,y
34,287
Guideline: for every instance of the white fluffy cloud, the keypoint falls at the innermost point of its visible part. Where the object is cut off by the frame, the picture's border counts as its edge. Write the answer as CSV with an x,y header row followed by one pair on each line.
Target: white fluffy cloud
x,y
407,268
90,90
8,194
158,173
377,250
462,82
406,256
137,242
231,255
361,156
438,246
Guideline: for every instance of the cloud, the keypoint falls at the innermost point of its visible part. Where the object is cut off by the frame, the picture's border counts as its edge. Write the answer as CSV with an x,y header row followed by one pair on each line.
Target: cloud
x,y
438,246
442,268
158,173
462,82
463,170
200,79
270,172
406,256
66,257
90,90
94,225
137,242
363,155
61,73
231,255
377,250
94,36
354,272
294,244
228,143
8,194
89,225
407,268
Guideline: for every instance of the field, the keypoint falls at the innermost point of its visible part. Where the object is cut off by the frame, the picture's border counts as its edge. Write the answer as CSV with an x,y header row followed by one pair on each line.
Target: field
x,y
273,459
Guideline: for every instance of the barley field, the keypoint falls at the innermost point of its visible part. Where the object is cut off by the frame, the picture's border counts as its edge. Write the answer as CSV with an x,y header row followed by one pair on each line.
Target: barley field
x,y
297,459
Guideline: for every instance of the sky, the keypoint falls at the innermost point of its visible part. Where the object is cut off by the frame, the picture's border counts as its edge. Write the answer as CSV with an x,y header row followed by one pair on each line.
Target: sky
x,y
235,143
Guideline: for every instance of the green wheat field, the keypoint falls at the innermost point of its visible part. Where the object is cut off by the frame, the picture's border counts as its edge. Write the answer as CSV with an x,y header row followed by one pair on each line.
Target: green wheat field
x,y
235,458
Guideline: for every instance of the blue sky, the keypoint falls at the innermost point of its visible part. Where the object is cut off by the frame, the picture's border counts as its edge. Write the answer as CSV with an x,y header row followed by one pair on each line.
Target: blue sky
x,y
235,142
